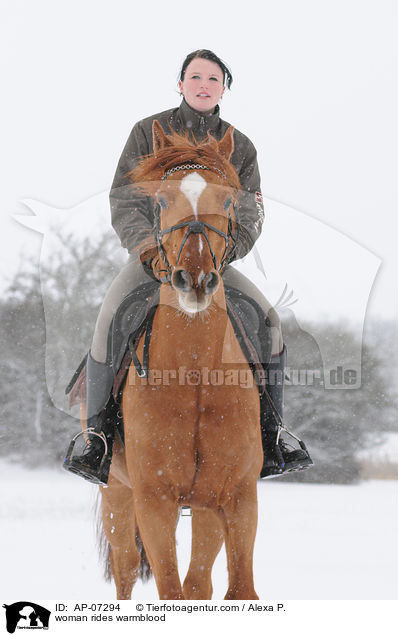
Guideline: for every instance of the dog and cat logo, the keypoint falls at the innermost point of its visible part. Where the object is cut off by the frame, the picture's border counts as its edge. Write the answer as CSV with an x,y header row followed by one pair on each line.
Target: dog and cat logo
x,y
26,615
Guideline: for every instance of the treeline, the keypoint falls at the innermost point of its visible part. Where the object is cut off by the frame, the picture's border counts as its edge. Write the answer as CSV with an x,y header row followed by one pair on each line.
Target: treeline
x,y
47,320
338,424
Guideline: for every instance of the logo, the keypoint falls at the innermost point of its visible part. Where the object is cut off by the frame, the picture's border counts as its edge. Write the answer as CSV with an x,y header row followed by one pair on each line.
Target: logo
x,y
259,197
26,615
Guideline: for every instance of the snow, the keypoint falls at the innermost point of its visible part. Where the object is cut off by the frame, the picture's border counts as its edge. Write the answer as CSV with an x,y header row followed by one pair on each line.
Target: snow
x,y
313,541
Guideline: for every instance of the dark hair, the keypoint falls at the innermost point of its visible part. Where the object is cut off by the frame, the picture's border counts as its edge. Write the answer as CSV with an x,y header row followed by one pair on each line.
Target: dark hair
x,y
205,54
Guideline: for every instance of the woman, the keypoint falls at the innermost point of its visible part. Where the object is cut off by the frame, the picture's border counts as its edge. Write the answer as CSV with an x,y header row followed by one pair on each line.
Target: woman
x,y
203,79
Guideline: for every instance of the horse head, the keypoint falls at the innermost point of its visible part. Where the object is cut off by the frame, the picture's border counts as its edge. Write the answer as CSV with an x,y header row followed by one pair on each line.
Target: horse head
x,y
195,189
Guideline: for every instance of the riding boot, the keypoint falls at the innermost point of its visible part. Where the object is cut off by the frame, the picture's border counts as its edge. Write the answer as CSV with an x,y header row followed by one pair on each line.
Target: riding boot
x,y
278,457
94,462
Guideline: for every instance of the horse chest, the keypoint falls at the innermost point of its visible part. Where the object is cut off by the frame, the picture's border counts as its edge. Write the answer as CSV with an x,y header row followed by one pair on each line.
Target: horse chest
x,y
185,416
206,342
197,374
197,412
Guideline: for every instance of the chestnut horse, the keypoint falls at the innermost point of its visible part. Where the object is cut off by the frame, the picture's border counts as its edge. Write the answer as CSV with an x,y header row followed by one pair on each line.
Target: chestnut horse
x,y
192,433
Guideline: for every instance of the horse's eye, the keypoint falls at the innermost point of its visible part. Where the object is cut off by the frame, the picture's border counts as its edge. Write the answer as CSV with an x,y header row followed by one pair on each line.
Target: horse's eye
x,y
227,203
163,203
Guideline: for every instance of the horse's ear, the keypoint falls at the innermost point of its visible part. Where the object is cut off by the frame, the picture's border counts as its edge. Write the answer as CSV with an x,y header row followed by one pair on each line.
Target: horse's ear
x,y
160,139
226,145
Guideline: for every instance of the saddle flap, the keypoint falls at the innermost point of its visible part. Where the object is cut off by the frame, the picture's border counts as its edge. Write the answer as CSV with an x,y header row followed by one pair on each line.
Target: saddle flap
x,y
251,325
128,323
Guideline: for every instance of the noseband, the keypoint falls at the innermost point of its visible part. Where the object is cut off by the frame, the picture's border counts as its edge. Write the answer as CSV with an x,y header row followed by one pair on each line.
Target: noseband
x,y
193,227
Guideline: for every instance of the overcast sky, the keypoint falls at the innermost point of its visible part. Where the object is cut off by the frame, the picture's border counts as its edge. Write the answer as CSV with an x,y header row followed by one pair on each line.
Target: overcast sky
x,y
315,88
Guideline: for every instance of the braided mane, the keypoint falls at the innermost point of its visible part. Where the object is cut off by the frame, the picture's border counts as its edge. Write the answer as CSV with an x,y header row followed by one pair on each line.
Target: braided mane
x,y
153,166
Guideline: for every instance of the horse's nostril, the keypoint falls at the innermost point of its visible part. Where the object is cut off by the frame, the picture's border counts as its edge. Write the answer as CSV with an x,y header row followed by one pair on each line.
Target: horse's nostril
x,y
211,281
181,280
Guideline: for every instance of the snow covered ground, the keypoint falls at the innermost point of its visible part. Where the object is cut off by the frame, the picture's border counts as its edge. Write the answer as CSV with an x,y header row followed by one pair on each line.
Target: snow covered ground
x,y
313,541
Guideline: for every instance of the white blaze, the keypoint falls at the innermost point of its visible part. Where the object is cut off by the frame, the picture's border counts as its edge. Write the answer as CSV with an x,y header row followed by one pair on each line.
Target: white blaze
x,y
192,186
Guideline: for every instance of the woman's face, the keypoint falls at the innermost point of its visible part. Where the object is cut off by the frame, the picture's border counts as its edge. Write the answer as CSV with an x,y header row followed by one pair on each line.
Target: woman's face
x,y
203,85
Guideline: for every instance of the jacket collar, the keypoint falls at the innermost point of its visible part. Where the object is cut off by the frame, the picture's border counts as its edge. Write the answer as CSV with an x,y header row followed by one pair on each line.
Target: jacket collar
x,y
196,122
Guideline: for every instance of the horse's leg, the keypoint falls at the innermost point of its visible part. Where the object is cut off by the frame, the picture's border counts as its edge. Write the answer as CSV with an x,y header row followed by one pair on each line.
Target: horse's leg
x,y
120,528
207,539
239,513
157,520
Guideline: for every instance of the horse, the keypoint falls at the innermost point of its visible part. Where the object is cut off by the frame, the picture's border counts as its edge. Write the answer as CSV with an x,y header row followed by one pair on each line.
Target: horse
x,y
192,433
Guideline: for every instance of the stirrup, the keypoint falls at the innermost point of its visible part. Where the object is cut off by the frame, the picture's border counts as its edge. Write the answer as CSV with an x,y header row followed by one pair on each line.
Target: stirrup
x,y
299,460
98,478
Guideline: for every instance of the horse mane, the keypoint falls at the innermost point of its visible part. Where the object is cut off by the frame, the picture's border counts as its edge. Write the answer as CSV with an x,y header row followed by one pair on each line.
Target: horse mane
x,y
182,150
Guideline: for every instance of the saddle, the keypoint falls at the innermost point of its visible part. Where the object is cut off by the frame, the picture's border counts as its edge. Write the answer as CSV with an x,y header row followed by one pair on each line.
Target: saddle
x,y
134,318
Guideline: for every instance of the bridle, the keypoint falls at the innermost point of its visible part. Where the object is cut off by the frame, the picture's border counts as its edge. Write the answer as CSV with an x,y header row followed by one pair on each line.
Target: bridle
x,y
193,227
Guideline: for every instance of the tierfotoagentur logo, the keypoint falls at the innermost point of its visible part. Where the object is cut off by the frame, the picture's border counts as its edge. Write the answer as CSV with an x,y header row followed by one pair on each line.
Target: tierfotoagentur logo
x,y
26,615
246,378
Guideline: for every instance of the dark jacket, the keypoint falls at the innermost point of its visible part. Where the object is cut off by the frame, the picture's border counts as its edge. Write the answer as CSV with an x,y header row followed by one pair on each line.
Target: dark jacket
x,y
132,218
